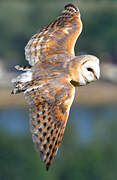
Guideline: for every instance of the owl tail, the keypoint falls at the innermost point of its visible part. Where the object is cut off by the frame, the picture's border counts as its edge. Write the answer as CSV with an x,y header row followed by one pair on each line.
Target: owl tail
x,y
20,82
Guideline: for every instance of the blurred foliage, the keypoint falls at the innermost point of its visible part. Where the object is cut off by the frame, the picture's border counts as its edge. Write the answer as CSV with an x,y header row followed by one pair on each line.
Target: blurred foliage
x,y
20,19
94,160
100,29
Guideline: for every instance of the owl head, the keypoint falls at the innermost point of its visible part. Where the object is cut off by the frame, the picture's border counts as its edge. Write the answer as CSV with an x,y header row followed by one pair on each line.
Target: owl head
x,y
87,69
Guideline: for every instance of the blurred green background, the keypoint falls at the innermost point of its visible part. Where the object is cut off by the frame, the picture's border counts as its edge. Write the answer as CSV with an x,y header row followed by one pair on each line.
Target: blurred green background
x,y
89,147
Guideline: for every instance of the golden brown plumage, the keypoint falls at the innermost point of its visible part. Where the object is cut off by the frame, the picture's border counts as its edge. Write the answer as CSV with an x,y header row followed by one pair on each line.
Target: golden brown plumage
x,y
49,108
58,37
50,79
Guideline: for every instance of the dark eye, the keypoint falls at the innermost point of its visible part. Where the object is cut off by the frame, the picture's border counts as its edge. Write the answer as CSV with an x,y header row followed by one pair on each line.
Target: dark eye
x,y
90,69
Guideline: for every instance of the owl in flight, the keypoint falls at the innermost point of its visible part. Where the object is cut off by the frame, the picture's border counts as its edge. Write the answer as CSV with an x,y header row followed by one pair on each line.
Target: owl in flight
x,y
49,81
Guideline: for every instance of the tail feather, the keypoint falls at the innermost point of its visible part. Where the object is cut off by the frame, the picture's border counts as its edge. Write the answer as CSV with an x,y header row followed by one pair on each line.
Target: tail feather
x,y
18,88
20,81
23,68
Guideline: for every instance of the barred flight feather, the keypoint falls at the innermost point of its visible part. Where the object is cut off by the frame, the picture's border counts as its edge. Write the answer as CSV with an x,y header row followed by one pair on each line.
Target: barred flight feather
x,y
56,38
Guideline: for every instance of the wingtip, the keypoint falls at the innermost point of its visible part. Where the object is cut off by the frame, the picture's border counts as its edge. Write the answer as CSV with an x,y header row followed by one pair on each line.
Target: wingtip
x,y
47,166
71,6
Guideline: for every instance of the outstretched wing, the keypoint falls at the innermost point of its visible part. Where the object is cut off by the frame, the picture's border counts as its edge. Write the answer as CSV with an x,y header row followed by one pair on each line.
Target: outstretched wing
x,y
49,109
58,37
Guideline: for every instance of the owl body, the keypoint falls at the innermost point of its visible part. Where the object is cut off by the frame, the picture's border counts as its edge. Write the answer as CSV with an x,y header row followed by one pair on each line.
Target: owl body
x,y
49,81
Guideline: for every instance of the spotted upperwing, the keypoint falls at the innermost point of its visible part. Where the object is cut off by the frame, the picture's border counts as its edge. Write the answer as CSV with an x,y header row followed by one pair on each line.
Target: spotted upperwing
x,y
58,37
49,108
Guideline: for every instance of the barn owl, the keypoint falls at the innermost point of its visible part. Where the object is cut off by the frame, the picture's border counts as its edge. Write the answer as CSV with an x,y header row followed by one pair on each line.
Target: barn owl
x,y
49,81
